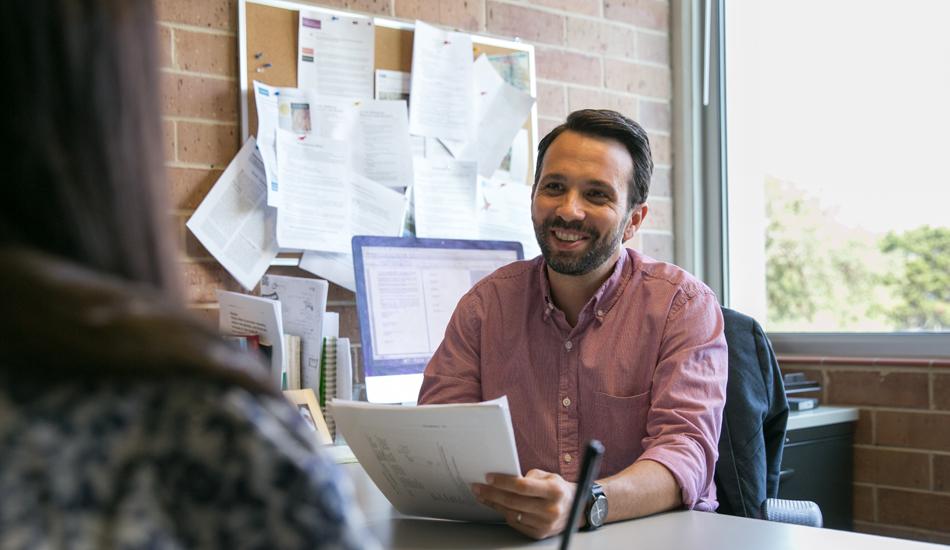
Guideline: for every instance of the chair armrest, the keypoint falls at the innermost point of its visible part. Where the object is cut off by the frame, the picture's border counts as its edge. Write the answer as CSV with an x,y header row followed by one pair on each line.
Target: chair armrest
x,y
799,512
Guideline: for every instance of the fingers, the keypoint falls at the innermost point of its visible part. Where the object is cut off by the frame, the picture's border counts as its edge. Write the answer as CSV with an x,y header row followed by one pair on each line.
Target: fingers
x,y
536,483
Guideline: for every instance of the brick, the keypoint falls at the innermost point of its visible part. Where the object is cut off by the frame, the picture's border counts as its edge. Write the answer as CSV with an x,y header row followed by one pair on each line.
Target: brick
x,y
896,468
912,429
545,125
193,247
165,47
525,23
662,148
199,97
872,387
206,315
202,52
569,67
349,322
941,470
214,14
585,98
460,14
339,294
655,116
660,185
168,139
941,389
375,7
914,509
659,216
658,246
901,533
201,280
864,430
635,78
586,7
210,144
552,100
651,14
863,499
190,185
653,48
602,38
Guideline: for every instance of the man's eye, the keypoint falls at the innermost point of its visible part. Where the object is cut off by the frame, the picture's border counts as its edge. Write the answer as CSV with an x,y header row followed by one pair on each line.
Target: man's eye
x,y
552,186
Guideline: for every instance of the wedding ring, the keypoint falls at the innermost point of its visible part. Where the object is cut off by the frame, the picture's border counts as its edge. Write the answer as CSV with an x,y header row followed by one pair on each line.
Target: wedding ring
x,y
518,517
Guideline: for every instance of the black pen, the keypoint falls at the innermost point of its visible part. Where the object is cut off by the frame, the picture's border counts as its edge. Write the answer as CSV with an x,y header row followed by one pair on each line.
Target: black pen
x,y
589,468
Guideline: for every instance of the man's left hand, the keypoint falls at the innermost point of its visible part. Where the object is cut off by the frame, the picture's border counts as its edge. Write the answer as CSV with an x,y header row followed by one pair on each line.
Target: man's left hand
x,y
537,504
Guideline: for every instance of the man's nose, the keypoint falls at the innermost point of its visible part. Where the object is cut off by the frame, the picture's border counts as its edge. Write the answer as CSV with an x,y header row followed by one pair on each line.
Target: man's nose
x,y
571,207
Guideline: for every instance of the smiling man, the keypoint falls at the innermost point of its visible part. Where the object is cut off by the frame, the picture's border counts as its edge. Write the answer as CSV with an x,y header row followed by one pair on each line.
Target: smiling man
x,y
592,341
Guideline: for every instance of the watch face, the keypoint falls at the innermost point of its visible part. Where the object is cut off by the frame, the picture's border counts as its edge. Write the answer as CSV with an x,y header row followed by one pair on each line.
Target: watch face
x,y
598,512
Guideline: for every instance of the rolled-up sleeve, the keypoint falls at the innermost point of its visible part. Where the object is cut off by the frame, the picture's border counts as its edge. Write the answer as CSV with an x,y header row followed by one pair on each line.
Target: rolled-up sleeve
x,y
688,394
453,373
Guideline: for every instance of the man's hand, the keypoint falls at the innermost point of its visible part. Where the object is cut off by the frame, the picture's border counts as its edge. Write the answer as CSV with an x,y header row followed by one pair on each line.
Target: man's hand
x,y
537,504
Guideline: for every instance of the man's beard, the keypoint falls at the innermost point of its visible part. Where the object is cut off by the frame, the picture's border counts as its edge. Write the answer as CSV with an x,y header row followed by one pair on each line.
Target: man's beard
x,y
568,263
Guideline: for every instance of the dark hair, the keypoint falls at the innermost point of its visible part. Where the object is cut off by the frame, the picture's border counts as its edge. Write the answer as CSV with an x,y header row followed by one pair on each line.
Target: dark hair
x,y
83,162
603,123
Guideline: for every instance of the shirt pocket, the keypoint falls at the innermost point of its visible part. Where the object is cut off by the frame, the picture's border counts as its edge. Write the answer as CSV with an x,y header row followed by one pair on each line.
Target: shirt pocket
x,y
620,424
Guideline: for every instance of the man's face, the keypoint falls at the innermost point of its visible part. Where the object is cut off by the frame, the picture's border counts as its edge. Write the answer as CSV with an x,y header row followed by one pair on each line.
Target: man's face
x,y
579,208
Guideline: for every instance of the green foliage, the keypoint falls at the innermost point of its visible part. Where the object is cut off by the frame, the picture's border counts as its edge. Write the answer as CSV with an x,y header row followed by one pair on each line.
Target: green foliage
x,y
920,279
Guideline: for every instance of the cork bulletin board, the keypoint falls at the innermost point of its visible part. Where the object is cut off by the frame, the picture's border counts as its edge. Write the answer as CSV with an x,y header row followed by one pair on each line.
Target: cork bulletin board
x,y
267,48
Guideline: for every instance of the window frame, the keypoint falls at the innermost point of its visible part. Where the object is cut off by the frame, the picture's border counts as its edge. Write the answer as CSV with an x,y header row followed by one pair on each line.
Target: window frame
x,y
700,188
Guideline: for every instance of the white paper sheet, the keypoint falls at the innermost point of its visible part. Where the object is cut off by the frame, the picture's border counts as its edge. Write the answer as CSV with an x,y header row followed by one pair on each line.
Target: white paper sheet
x,y
242,315
425,458
500,111
336,55
266,99
442,84
392,85
315,197
331,324
445,196
306,112
302,305
505,215
344,370
381,150
374,210
233,221
514,167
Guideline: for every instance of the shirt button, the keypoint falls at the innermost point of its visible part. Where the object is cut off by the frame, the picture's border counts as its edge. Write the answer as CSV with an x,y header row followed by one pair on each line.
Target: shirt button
x,y
568,458
566,401
600,313
568,345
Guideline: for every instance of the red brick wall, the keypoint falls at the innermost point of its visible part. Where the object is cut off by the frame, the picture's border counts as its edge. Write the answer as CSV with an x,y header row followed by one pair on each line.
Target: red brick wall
x,y
902,442
590,53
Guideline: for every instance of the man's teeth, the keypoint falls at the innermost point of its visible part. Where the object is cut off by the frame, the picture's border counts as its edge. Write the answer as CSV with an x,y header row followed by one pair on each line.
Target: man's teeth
x,y
567,236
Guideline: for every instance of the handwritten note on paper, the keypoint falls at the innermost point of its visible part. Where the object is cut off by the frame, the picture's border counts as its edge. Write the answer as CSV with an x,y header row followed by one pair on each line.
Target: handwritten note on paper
x,y
336,55
440,104
233,221
425,458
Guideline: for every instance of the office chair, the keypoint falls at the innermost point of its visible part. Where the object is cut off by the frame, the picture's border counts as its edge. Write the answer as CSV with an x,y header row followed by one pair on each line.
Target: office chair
x,y
753,430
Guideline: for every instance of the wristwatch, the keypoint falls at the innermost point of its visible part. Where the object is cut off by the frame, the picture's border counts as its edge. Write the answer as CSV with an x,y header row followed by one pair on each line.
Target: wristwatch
x,y
596,507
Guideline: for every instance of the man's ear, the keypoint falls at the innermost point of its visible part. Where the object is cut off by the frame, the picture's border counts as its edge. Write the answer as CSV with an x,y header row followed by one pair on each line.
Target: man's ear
x,y
636,217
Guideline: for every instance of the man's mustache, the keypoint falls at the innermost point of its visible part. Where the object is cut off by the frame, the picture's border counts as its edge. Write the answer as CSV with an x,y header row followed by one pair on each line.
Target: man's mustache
x,y
576,225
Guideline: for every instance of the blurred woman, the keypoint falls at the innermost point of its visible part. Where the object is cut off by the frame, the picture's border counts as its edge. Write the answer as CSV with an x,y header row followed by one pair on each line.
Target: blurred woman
x,y
124,422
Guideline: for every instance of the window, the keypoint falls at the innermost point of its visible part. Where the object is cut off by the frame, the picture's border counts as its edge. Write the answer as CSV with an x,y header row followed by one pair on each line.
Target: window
x,y
834,121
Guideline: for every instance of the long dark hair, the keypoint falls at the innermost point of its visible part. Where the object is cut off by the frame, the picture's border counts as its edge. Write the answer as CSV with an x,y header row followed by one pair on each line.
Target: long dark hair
x,y
83,175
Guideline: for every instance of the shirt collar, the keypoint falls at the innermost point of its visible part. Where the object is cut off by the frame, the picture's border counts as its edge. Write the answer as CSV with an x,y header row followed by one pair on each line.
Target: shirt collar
x,y
606,296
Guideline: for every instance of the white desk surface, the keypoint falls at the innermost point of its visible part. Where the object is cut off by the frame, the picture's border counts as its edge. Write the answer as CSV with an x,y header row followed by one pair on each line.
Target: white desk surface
x,y
821,416
679,530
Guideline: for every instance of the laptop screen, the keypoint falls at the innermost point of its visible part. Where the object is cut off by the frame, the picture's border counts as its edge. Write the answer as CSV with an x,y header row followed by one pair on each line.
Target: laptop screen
x,y
406,291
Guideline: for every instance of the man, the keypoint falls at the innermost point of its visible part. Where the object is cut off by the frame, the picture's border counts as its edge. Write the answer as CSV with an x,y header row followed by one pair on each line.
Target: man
x,y
594,341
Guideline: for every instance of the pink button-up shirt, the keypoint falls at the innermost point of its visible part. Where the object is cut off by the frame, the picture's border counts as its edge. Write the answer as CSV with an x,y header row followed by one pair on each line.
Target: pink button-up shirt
x,y
644,370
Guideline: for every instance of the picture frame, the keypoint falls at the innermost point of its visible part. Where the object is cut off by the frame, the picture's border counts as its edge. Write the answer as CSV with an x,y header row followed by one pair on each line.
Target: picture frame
x,y
306,403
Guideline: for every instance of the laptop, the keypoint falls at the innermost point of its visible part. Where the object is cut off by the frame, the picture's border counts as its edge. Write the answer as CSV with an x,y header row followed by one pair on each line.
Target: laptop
x,y
406,291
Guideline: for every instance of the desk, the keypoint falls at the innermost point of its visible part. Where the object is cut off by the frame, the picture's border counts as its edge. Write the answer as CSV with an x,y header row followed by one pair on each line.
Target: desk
x,y
679,530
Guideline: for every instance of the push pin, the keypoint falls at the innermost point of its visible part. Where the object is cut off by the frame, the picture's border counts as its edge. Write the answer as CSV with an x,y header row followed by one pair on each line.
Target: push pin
x,y
258,55
264,67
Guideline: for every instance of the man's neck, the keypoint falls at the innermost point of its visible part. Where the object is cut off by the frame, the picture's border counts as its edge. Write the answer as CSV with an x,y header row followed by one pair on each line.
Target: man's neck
x,y
571,292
